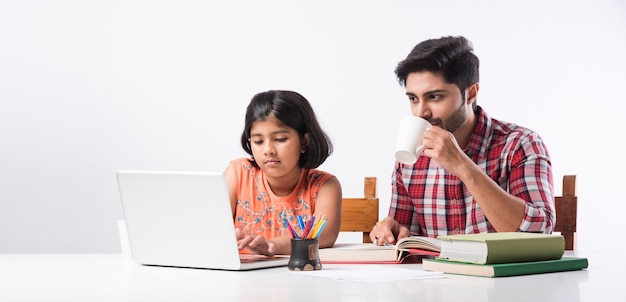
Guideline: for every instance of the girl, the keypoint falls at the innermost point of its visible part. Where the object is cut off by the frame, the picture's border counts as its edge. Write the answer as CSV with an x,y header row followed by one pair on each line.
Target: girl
x,y
280,181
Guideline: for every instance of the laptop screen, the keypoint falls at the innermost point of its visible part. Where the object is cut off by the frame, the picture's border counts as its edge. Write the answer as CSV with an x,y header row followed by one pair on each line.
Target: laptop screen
x,y
181,219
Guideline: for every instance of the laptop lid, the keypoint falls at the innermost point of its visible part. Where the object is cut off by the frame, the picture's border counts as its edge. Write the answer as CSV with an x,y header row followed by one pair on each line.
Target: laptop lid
x,y
183,219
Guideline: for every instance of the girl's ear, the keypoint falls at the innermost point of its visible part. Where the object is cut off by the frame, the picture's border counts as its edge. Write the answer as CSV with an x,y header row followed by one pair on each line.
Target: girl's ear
x,y
305,143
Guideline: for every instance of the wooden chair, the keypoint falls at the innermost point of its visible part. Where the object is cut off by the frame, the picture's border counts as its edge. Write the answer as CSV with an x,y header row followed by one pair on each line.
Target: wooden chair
x,y
361,214
566,211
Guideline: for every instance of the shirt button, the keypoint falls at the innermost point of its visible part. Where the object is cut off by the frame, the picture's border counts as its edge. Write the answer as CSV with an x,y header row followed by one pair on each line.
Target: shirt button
x,y
457,231
453,201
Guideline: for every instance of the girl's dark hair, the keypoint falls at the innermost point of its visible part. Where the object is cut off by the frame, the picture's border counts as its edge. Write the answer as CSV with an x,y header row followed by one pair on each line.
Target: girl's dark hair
x,y
453,57
295,112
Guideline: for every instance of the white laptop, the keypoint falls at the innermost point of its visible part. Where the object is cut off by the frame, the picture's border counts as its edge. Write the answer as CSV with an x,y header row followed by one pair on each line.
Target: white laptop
x,y
183,219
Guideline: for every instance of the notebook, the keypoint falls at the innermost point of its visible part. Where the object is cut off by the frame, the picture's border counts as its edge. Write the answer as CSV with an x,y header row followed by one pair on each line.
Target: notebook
x,y
183,219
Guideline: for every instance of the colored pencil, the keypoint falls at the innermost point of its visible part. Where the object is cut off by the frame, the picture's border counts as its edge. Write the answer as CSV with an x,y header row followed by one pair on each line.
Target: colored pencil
x,y
293,233
309,226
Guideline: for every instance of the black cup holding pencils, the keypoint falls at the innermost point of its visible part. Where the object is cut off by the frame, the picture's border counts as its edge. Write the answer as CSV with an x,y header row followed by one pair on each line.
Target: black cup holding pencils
x,y
305,248
304,255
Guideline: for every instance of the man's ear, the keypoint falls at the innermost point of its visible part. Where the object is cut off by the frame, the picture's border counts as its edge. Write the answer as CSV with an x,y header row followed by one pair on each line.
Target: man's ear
x,y
471,92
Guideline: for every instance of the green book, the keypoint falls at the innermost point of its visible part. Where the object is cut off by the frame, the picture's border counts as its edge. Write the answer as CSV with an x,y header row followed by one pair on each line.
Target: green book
x,y
505,269
502,247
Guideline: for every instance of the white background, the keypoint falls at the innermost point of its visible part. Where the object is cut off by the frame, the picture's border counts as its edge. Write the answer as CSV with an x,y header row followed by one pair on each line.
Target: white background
x,y
91,87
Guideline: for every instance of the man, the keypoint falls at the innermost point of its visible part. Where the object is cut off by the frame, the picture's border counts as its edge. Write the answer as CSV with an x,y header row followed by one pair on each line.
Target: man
x,y
476,174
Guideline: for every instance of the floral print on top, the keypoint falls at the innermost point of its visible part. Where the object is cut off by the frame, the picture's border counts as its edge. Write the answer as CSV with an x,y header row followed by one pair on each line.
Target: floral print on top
x,y
259,212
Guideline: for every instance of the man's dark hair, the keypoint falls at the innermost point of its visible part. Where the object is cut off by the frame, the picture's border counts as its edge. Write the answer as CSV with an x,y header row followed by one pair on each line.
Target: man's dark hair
x,y
453,57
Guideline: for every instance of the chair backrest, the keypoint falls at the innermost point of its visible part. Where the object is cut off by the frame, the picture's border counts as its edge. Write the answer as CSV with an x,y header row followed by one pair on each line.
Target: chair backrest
x,y
566,211
361,214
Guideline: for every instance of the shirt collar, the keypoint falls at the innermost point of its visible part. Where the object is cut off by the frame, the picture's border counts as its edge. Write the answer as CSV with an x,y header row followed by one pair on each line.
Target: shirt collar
x,y
478,139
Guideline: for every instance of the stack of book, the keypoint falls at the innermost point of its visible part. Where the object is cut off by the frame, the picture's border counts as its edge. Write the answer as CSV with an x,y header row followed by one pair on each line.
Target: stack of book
x,y
502,254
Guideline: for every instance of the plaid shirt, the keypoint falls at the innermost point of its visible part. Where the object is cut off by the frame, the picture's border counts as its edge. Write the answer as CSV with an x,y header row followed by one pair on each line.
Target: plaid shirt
x,y
432,202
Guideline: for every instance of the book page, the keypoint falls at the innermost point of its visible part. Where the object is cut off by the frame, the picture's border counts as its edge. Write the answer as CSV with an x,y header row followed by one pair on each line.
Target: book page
x,y
369,273
419,242
358,252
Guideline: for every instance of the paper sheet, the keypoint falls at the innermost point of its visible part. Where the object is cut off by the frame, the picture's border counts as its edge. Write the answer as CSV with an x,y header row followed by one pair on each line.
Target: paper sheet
x,y
369,273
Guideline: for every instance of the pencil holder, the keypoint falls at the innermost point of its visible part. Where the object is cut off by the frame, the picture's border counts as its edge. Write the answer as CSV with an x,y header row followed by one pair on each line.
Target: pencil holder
x,y
304,255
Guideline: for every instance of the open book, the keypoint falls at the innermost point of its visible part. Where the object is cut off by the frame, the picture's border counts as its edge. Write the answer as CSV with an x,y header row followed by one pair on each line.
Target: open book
x,y
406,249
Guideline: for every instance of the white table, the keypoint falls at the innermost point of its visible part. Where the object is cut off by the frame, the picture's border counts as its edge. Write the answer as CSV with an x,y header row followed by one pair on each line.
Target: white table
x,y
111,277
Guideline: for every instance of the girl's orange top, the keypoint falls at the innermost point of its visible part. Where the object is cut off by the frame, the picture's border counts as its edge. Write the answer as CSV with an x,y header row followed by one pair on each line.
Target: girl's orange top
x,y
260,212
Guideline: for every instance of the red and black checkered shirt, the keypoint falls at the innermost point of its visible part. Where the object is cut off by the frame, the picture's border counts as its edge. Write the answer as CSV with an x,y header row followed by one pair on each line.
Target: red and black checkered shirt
x,y
432,202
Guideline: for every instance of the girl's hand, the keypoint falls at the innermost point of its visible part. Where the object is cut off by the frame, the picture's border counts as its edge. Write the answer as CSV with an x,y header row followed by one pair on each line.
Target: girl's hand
x,y
255,244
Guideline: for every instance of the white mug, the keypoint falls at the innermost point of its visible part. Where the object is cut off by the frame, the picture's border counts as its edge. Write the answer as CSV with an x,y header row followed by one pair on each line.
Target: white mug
x,y
410,139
